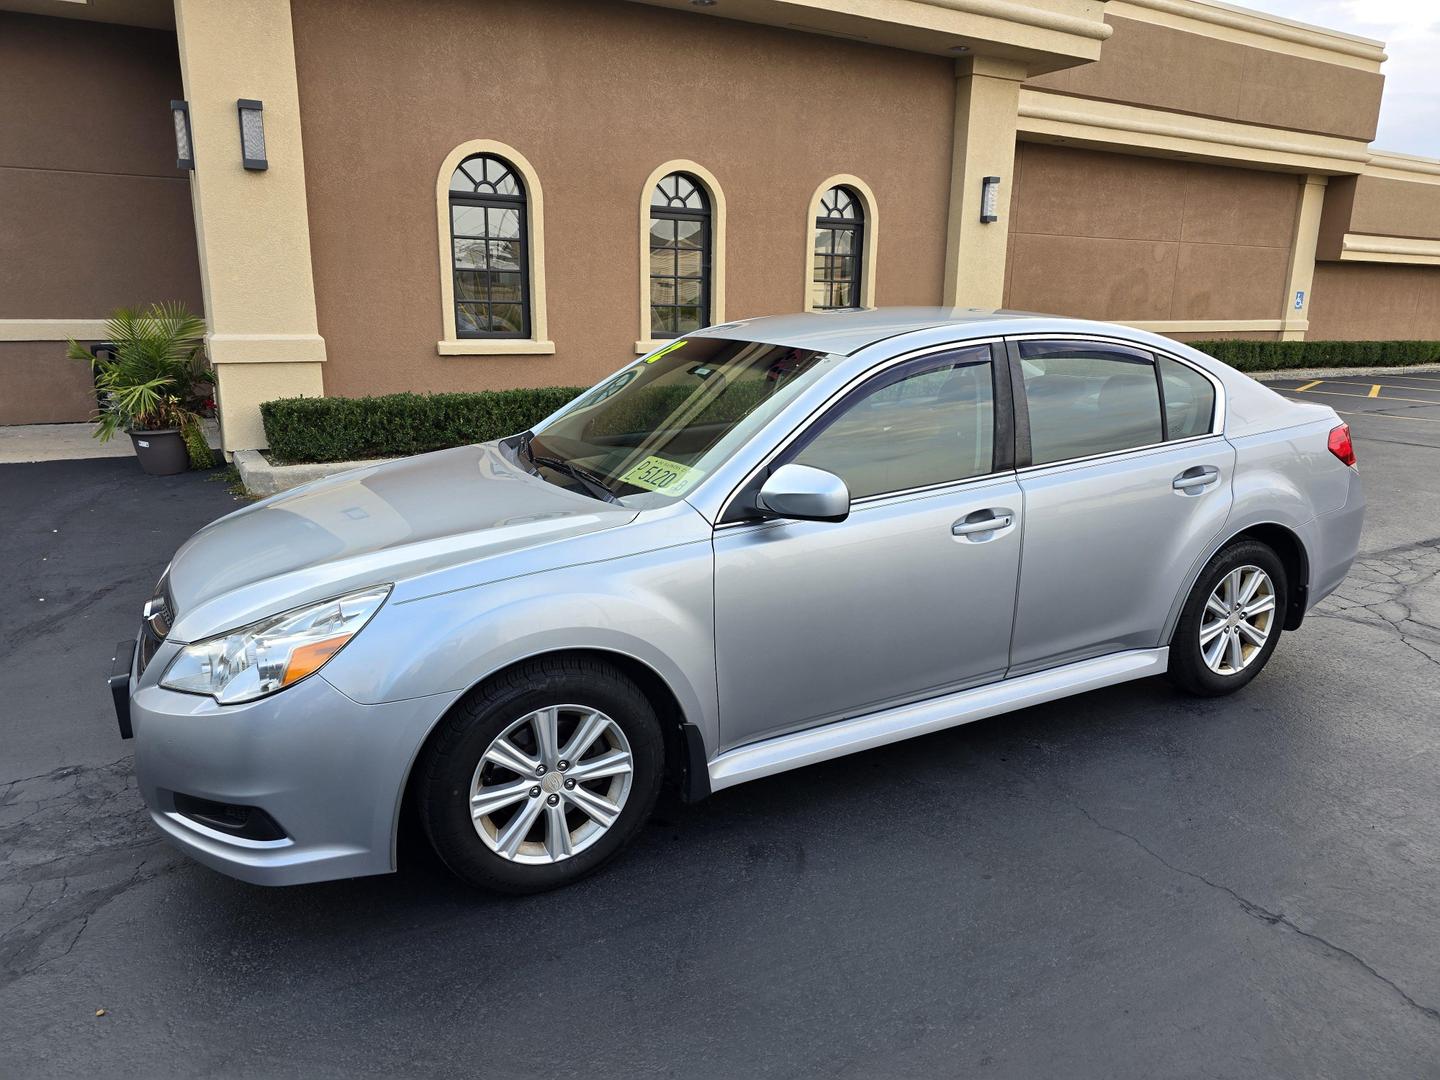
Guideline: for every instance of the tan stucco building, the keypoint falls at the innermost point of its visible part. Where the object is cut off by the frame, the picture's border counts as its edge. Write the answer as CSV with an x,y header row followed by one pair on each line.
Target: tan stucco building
x,y
462,194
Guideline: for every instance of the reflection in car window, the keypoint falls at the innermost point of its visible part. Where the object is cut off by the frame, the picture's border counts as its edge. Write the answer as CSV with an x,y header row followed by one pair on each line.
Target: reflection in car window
x,y
1189,400
1087,399
651,432
916,426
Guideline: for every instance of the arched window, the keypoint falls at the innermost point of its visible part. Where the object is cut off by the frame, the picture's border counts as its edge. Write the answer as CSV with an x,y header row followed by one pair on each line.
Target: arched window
x,y
839,241
680,245
489,242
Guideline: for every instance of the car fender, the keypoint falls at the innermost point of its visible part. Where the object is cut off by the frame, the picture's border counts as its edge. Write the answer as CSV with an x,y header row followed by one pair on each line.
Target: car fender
x,y
654,607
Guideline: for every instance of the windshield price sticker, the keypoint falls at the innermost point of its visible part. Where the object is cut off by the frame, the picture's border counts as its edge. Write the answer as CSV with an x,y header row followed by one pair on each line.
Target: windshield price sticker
x,y
661,474
680,344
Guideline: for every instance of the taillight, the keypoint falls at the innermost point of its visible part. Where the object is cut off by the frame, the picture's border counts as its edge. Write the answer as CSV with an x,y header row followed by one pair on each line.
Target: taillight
x,y
1340,445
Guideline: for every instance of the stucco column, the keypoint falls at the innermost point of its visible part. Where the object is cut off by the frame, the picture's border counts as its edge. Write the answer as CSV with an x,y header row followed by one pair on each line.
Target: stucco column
x,y
987,99
252,227
1295,314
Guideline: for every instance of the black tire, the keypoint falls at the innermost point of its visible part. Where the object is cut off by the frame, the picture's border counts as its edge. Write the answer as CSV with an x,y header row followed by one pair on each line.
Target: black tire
x,y
1188,669
449,761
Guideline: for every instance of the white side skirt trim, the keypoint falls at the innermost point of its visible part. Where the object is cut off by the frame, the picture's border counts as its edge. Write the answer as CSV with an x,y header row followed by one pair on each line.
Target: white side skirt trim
x,y
876,729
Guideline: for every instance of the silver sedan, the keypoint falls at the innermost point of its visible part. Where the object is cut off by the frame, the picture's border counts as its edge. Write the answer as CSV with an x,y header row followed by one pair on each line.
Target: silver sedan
x,y
767,544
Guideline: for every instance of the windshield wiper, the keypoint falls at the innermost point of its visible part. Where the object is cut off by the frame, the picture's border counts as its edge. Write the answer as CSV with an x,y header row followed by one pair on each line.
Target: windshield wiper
x,y
592,482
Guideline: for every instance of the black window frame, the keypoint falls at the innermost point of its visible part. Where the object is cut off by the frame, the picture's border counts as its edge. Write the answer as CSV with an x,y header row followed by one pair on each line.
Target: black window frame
x,y
855,226
496,201
704,218
1021,405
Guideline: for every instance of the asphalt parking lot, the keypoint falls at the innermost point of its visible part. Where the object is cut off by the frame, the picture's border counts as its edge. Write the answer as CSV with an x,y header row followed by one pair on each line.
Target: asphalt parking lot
x,y
1126,884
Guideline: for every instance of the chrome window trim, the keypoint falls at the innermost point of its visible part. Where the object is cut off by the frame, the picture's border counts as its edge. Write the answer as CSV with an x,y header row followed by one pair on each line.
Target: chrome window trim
x,y
1091,458
806,423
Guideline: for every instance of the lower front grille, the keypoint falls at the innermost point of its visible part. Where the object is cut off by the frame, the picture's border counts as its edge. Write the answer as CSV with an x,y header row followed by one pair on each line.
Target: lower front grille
x,y
247,822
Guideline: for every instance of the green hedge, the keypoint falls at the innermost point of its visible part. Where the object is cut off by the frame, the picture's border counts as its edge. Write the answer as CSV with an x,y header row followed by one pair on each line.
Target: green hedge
x,y
350,429
1280,355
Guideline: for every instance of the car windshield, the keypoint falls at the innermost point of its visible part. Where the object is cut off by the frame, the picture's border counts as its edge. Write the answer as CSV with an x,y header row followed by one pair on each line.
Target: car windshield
x,y
650,433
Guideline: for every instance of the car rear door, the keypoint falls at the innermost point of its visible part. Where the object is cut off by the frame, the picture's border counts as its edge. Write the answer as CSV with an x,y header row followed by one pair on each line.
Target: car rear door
x,y
1126,482
912,595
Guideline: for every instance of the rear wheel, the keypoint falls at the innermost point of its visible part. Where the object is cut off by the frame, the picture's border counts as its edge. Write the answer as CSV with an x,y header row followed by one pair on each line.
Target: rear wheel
x,y
539,777
1231,622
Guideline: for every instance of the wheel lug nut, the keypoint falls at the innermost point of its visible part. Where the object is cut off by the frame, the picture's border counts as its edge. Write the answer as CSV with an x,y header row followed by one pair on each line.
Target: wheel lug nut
x,y
535,792
563,765
539,770
569,782
553,800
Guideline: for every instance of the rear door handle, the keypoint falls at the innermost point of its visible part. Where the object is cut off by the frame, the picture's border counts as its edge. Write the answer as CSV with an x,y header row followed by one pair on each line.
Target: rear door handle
x,y
996,519
1199,477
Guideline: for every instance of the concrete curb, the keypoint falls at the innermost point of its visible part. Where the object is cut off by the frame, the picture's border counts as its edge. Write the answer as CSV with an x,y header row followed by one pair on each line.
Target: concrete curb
x,y
259,477
1337,372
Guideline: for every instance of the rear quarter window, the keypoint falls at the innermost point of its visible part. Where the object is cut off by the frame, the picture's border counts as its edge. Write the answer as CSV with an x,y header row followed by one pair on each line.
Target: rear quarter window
x,y
1189,400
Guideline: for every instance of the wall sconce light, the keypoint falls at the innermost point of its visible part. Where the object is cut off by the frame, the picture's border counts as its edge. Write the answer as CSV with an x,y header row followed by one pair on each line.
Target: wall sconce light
x,y
252,133
184,147
989,199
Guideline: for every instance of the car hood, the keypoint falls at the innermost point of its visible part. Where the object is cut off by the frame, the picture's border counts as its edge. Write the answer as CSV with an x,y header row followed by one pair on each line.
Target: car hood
x,y
382,523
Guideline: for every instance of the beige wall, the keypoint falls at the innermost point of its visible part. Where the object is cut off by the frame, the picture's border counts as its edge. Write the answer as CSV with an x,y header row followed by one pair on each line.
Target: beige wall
x,y
1110,236
1165,68
1368,302
95,214
595,96
1376,206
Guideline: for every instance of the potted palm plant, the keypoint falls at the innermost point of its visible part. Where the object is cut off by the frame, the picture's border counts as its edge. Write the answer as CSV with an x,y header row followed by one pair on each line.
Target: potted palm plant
x,y
152,386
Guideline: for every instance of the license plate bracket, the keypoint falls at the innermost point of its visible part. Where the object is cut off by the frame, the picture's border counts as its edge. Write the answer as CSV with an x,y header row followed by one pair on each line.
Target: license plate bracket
x,y
120,665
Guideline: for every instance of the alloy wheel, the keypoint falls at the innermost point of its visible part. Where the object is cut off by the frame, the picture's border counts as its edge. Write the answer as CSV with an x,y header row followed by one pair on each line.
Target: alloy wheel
x,y
551,784
1238,619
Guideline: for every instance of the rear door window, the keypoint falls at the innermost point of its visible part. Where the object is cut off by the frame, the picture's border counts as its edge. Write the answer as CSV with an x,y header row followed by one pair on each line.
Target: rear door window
x,y
1086,398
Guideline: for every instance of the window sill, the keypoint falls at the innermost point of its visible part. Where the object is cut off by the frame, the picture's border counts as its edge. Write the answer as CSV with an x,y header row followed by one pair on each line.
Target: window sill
x,y
495,347
643,347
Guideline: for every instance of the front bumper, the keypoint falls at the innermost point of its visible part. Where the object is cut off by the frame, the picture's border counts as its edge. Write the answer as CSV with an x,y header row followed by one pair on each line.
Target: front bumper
x,y
329,770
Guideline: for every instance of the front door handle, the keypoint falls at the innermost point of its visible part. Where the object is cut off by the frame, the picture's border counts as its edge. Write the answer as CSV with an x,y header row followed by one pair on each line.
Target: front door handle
x,y
1194,480
993,519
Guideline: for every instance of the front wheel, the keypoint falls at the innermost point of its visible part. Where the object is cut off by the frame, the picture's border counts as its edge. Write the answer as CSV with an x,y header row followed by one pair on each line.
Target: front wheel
x,y
1231,622
540,776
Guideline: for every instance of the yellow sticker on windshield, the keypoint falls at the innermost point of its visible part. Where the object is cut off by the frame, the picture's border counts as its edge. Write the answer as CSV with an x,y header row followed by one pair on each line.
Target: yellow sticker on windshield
x,y
665,351
661,474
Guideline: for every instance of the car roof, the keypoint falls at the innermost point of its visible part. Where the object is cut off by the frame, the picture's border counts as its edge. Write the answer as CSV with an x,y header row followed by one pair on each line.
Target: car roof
x,y
847,331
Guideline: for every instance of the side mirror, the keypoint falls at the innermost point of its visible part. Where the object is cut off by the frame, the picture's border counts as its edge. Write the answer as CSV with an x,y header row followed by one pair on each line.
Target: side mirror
x,y
805,494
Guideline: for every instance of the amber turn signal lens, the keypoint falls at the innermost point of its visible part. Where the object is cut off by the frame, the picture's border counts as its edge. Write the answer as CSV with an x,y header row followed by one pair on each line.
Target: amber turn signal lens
x,y
307,659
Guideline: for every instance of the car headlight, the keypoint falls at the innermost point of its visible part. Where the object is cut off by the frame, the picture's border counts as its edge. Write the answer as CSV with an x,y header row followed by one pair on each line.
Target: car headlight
x,y
271,654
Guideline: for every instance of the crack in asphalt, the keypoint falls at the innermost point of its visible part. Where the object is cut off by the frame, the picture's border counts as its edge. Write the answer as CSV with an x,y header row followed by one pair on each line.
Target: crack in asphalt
x,y
1265,915
1388,586
72,840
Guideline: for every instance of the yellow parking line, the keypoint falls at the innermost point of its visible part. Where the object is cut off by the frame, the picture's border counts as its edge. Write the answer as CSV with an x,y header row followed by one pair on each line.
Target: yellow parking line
x,y
1416,400
1375,390
1307,386
1388,384
1391,416
1387,416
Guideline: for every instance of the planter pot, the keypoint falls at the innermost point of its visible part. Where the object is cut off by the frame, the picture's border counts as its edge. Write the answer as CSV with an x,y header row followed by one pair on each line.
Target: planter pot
x,y
161,453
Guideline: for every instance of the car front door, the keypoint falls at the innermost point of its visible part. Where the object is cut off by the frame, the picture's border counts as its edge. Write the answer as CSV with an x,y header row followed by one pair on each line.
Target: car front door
x,y
1126,486
913,594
